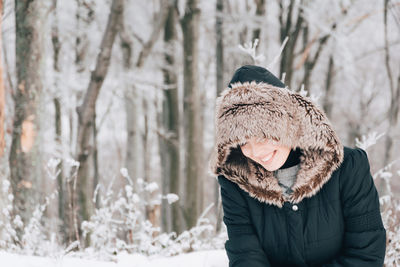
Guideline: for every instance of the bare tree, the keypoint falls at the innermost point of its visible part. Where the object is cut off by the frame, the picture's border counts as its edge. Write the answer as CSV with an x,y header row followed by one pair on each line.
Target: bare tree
x,y
96,175
293,31
309,61
57,107
130,99
219,50
394,85
24,156
260,15
85,16
358,121
86,110
244,33
328,103
153,211
193,120
2,97
158,26
220,86
136,105
169,124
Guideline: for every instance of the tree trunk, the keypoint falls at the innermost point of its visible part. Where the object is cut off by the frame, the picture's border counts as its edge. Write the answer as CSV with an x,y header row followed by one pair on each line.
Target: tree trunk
x,y
86,110
244,33
192,114
152,210
393,111
57,107
328,100
260,15
2,97
220,86
308,60
169,124
286,29
134,148
146,152
85,16
96,177
220,45
132,162
133,101
24,158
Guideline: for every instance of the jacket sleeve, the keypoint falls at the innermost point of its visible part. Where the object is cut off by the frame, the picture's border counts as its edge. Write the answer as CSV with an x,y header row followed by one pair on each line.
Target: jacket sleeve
x,y
243,247
364,241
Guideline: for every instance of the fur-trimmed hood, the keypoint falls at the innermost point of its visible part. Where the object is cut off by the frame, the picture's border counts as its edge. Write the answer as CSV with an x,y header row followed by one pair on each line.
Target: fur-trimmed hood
x,y
262,110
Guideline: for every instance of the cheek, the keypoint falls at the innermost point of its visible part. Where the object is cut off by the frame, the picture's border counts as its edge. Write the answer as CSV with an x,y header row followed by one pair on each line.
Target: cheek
x,y
282,154
246,153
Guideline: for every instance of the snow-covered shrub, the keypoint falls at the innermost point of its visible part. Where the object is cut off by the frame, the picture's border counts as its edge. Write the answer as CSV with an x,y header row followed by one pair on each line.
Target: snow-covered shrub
x,y
391,220
35,240
9,226
390,204
120,225
200,237
34,236
390,210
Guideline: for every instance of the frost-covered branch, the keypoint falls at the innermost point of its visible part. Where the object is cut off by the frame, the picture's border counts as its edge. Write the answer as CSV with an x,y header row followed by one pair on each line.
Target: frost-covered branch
x,y
250,49
275,60
369,140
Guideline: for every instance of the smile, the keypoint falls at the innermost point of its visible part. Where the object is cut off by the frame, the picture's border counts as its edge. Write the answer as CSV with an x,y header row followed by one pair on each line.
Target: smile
x,y
269,157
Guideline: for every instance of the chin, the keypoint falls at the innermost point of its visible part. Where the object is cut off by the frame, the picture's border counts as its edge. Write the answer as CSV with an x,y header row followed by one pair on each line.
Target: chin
x,y
271,169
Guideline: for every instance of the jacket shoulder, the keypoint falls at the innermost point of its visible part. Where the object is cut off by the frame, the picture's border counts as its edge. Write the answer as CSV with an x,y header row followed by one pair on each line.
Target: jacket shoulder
x,y
232,191
355,175
356,157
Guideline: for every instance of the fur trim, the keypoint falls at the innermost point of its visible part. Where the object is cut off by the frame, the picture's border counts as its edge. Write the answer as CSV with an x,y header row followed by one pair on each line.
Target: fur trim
x,y
262,110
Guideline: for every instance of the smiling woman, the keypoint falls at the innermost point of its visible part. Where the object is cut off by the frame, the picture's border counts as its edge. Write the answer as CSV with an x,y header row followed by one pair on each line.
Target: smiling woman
x,y
292,194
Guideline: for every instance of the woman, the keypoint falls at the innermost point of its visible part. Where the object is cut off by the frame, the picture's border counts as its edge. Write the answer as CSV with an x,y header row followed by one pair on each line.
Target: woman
x,y
292,194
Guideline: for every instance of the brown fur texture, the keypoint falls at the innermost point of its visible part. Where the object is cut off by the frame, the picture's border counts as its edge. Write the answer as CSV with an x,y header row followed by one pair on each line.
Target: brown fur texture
x,y
264,111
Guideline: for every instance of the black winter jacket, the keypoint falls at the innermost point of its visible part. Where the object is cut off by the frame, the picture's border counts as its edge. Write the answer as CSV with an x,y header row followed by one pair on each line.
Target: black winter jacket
x,y
340,226
332,217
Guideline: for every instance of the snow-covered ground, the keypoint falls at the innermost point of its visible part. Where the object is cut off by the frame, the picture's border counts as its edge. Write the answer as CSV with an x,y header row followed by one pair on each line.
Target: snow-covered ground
x,y
210,258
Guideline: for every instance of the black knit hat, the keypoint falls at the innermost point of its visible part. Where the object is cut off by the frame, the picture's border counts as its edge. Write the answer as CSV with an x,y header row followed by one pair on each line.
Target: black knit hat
x,y
249,73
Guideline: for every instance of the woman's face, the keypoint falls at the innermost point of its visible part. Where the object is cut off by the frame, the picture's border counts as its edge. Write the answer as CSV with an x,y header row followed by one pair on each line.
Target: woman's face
x,y
270,156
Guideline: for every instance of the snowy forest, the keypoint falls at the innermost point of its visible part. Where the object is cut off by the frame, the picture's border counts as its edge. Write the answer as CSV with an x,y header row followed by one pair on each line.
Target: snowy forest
x,y
107,117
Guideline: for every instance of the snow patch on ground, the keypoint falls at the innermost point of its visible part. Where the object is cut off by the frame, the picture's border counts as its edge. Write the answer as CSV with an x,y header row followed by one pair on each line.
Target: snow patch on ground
x,y
209,258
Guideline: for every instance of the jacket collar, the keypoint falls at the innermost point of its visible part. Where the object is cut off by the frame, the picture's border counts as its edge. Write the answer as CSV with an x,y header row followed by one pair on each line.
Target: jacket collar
x,y
261,110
